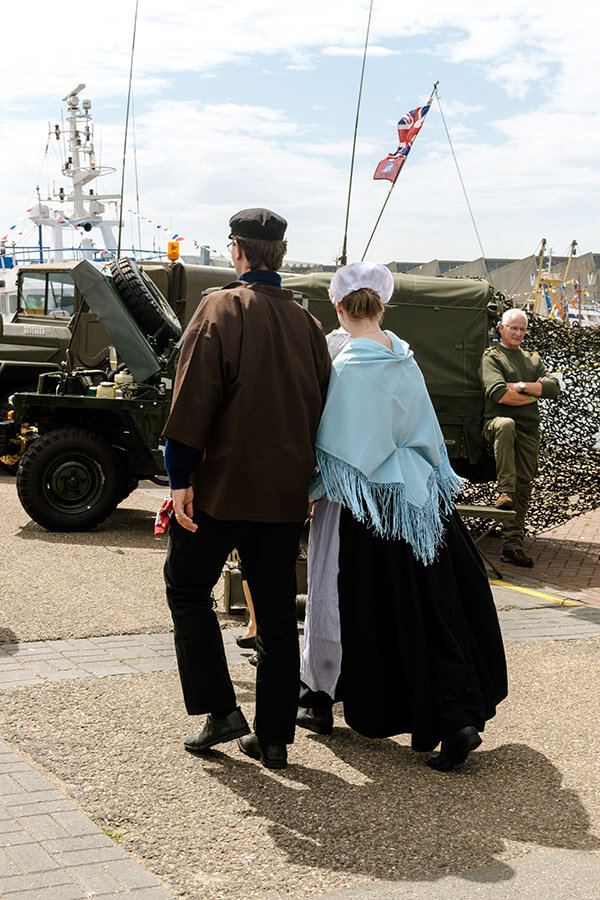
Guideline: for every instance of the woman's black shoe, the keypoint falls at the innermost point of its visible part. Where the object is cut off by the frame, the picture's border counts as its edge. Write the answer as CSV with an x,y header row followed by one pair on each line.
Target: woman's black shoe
x,y
246,643
253,660
455,749
320,722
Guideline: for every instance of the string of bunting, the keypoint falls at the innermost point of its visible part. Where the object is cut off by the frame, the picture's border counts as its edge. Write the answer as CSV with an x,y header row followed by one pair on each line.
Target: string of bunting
x,y
63,220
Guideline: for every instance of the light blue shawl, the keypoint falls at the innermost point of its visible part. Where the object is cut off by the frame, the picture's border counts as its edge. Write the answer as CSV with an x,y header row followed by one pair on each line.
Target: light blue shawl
x,y
380,449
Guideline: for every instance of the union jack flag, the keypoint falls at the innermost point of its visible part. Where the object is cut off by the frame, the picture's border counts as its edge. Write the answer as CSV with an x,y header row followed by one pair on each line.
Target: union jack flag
x,y
408,128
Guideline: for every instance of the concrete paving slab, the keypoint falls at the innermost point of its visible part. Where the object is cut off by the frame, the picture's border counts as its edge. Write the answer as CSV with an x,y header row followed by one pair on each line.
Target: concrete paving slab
x,y
537,875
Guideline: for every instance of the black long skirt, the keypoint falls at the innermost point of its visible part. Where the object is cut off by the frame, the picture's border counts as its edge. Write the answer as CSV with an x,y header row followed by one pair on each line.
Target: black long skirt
x,y
422,649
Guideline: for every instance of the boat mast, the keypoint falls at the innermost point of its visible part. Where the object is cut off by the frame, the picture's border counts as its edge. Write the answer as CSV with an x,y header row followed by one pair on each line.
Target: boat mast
x,y
81,169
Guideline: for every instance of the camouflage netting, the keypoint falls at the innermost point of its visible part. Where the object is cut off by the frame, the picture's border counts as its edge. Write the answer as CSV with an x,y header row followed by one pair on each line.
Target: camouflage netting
x,y
568,482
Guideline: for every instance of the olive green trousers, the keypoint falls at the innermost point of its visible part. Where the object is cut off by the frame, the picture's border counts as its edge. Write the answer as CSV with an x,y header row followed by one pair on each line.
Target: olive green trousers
x,y
516,466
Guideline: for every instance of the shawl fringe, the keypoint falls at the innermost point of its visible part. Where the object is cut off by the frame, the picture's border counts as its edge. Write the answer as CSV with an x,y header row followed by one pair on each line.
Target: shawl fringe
x,y
385,508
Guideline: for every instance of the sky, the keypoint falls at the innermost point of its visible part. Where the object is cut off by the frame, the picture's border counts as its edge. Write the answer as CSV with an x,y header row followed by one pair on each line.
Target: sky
x,y
243,103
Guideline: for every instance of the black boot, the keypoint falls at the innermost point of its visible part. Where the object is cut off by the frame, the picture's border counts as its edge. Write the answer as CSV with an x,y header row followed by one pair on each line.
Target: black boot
x,y
217,731
272,756
455,749
315,711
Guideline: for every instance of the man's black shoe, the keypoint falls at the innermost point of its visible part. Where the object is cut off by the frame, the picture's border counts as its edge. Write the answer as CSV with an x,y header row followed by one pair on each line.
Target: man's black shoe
x,y
455,749
218,731
272,756
517,557
319,722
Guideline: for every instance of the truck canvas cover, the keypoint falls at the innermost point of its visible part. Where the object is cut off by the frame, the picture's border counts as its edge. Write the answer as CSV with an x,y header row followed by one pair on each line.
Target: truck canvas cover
x,y
446,323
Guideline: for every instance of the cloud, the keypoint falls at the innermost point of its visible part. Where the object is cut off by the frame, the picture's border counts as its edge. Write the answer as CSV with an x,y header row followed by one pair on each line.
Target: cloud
x,y
513,72
458,109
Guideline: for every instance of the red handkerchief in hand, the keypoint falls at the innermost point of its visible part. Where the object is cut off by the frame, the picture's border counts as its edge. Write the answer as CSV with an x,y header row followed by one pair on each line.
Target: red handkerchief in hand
x,y
163,515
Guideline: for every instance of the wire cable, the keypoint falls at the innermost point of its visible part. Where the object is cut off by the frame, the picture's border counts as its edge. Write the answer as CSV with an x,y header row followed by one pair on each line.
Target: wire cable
x,y
462,184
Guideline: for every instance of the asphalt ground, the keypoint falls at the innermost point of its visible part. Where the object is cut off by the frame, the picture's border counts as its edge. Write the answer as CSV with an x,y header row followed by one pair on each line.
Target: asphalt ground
x,y
348,818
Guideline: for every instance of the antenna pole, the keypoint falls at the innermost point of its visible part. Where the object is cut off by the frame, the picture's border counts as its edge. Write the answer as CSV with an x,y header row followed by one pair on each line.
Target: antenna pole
x,y
126,126
344,256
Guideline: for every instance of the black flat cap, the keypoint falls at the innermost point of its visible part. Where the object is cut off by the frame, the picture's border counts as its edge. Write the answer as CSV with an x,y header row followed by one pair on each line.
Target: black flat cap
x,y
263,224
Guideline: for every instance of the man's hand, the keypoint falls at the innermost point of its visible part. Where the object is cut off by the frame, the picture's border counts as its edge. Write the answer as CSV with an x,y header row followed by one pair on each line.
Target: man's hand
x,y
183,507
531,387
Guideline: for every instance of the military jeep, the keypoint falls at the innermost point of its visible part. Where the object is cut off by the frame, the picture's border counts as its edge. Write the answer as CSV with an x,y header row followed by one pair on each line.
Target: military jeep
x,y
80,453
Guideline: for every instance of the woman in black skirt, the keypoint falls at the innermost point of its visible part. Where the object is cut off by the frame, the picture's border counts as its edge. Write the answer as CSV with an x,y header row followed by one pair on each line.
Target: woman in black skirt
x,y
400,623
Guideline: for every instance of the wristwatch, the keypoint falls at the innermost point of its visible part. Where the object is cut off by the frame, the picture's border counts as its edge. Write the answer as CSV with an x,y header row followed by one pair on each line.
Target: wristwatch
x,y
522,387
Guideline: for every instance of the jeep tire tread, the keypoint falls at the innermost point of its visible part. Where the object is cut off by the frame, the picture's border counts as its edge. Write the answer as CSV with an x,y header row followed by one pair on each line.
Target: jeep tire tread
x,y
69,479
154,318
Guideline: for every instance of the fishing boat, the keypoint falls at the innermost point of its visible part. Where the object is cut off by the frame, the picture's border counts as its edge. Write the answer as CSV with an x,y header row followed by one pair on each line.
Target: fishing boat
x,y
556,296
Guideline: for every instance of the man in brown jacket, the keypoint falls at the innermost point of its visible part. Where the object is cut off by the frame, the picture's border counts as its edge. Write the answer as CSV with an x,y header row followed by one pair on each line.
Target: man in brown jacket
x,y
249,390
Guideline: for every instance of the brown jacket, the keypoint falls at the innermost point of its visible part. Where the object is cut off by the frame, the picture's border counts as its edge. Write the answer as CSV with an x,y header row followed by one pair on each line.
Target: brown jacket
x,y
249,390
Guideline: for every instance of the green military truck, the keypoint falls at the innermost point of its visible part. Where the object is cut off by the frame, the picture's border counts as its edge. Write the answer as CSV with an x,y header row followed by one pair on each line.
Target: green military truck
x,y
89,433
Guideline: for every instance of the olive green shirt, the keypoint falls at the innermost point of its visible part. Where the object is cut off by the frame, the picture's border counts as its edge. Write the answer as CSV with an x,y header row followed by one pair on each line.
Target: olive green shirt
x,y
500,365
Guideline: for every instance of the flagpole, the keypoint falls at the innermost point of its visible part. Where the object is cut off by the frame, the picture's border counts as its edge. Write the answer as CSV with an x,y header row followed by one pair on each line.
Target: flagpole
x,y
429,102
343,257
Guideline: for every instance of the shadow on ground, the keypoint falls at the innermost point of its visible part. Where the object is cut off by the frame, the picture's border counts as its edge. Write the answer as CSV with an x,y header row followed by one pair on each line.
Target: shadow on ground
x,y
128,528
7,636
405,821
222,827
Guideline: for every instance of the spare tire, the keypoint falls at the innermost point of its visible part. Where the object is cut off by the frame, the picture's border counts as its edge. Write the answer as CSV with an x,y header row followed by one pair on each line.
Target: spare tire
x,y
147,305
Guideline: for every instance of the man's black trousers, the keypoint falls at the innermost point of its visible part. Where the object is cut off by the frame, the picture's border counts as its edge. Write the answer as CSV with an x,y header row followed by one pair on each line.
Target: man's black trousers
x,y
194,563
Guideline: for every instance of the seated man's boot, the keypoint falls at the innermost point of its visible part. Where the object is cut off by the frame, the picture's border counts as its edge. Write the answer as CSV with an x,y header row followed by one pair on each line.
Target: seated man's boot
x,y
218,731
517,557
504,501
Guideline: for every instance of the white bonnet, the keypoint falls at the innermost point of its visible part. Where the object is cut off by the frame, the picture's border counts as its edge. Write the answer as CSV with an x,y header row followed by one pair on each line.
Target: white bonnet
x,y
362,275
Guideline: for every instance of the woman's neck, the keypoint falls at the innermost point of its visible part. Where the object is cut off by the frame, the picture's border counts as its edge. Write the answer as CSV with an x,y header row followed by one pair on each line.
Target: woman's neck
x,y
367,328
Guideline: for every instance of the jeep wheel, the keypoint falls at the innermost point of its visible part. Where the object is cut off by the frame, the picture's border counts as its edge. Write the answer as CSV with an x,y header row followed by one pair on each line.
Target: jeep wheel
x,y
69,480
154,317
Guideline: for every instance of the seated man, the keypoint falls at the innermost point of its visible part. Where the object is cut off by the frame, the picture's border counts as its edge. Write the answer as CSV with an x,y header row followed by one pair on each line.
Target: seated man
x,y
514,380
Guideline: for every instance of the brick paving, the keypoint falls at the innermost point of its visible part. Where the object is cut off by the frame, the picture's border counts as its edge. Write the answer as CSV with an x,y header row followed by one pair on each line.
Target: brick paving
x,y
50,849
566,559
36,662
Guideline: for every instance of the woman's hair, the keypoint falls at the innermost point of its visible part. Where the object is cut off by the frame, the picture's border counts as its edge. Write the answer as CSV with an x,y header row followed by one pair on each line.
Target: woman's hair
x,y
363,304
262,253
